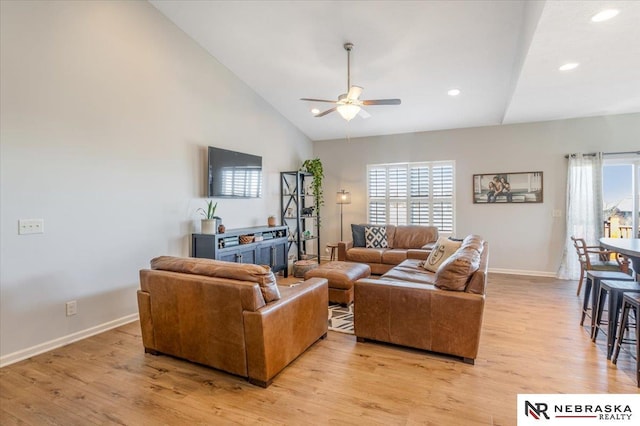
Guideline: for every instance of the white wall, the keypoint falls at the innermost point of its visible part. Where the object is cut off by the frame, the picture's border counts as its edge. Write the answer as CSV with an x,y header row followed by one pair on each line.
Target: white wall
x,y
523,238
106,112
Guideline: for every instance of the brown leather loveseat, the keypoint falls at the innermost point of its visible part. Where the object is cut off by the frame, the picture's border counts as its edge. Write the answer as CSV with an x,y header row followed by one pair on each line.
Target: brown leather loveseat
x,y
229,316
404,242
440,312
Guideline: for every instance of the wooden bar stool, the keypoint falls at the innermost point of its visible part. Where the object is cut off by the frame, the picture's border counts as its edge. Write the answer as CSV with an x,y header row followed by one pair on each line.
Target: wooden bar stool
x,y
630,301
615,290
592,288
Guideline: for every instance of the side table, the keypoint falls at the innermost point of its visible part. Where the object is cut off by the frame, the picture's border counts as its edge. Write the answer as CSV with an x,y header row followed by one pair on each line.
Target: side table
x,y
333,247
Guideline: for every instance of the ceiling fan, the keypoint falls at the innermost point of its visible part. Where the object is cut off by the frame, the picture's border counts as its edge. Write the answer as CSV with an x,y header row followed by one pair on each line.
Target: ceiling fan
x,y
348,105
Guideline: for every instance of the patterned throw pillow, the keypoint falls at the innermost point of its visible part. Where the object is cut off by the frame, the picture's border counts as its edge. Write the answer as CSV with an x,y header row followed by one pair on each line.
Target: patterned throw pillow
x,y
375,237
443,249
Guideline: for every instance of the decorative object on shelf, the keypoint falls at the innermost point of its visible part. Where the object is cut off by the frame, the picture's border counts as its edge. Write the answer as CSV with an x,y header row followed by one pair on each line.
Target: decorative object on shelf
x,y
516,188
208,224
221,229
307,234
289,212
342,197
307,211
271,221
246,239
315,168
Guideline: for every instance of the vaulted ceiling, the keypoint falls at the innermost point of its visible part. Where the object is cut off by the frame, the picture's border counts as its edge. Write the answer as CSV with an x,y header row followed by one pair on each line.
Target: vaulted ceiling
x,y
503,56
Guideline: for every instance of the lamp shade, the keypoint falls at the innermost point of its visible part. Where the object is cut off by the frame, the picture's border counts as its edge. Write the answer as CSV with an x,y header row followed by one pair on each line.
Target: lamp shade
x,y
348,111
343,197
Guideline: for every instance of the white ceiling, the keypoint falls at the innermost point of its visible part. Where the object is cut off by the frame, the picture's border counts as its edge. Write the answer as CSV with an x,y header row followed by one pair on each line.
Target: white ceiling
x,y
503,56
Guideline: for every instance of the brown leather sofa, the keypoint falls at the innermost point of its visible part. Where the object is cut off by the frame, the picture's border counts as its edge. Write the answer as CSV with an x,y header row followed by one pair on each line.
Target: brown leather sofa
x,y
229,316
404,241
440,312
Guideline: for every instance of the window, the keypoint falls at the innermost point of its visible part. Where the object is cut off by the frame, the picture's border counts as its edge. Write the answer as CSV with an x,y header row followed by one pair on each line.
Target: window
x,y
621,196
412,194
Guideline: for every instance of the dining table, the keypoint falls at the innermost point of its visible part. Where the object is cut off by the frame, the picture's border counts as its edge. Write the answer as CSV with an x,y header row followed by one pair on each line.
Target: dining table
x,y
630,247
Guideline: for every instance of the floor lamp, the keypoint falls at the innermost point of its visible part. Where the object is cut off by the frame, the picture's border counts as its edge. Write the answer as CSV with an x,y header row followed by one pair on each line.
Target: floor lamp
x,y
343,197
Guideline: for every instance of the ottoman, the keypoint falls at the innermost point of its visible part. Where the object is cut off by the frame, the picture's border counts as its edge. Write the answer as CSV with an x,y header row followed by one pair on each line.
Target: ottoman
x,y
341,276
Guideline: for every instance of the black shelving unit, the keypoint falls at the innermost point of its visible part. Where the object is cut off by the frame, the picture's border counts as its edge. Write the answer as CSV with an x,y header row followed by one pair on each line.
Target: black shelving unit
x,y
304,229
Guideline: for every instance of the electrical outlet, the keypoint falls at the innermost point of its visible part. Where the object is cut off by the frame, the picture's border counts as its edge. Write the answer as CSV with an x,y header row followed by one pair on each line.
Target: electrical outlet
x,y
72,307
30,226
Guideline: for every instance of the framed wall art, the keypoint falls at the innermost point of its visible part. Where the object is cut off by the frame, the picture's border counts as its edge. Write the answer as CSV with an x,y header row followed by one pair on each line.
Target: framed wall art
x,y
515,188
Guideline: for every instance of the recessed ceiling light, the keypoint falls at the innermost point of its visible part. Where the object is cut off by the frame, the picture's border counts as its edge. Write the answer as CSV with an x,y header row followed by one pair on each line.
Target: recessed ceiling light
x,y
315,111
453,92
569,66
604,15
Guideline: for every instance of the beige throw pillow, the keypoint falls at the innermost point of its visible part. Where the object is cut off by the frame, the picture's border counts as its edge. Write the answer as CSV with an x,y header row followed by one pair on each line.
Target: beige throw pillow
x,y
441,252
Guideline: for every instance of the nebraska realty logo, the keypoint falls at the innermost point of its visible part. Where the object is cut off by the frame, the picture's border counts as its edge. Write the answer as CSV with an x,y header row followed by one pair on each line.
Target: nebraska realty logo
x,y
578,409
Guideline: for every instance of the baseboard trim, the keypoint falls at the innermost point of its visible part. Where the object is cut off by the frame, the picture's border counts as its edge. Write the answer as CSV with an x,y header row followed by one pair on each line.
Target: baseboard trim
x,y
64,340
522,272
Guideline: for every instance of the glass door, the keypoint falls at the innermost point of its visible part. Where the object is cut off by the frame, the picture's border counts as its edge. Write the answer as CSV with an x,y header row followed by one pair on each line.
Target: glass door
x,y
621,196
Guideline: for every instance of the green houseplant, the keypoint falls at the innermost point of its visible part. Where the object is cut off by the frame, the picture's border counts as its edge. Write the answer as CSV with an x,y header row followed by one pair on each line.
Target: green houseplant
x,y
209,220
315,168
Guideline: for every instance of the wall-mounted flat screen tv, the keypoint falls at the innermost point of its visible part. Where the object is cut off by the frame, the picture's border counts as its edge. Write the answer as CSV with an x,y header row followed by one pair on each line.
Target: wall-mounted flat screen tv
x,y
233,174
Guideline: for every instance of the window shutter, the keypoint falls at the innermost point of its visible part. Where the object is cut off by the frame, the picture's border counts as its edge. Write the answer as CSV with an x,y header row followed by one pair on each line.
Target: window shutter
x,y
412,193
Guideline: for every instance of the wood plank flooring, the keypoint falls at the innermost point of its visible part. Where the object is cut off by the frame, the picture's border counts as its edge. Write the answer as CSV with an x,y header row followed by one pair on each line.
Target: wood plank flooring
x,y
531,343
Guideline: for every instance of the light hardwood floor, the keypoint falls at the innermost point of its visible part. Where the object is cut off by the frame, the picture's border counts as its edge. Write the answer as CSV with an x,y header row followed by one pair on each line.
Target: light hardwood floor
x,y
531,343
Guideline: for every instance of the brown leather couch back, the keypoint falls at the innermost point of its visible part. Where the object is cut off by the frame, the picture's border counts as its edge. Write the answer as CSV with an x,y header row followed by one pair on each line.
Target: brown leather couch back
x,y
414,236
199,318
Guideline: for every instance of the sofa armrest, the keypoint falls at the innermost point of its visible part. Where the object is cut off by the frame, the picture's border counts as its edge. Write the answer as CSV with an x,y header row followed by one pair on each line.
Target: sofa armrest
x,y
343,246
279,332
146,322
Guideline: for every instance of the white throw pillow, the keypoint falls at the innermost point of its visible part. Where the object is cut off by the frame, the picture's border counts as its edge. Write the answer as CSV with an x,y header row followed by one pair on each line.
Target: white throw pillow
x,y
375,237
441,252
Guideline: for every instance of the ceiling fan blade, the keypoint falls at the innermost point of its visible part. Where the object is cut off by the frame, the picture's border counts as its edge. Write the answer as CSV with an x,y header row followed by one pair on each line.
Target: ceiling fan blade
x,y
382,102
322,114
317,100
364,114
354,92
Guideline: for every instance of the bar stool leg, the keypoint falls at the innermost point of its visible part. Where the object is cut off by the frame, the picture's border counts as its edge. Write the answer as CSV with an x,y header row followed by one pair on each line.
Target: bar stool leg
x,y
614,313
585,302
623,324
597,318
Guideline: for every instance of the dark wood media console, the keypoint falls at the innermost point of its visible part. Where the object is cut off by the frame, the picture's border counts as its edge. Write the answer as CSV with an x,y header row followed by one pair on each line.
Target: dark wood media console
x,y
271,249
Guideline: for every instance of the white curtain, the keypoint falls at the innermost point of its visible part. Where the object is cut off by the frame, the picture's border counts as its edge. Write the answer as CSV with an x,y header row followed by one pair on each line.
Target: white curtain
x,y
584,209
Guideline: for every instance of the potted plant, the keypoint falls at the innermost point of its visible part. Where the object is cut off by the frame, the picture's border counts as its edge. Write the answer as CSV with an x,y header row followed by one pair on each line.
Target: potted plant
x,y
315,168
208,224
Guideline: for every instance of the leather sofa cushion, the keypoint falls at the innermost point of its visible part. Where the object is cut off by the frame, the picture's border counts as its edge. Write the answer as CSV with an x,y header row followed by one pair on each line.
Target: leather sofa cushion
x,y
260,274
411,271
419,254
473,241
393,256
365,255
414,236
454,273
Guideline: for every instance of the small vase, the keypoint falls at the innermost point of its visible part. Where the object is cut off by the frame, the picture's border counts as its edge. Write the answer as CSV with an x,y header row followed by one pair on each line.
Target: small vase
x,y
208,226
271,221
221,229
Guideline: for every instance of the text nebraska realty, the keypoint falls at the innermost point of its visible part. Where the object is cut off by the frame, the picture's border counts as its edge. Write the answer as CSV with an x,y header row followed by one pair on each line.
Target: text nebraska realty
x,y
599,411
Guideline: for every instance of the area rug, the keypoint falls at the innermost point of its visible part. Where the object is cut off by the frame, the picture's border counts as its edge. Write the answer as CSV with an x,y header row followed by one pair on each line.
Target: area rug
x,y
341,318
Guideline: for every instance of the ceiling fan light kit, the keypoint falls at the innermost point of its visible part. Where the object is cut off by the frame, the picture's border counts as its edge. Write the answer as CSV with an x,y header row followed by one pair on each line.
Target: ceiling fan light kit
x,y
348,104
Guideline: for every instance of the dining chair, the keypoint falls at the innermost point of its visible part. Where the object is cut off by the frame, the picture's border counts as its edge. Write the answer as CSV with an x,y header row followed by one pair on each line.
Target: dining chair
x,y
598,259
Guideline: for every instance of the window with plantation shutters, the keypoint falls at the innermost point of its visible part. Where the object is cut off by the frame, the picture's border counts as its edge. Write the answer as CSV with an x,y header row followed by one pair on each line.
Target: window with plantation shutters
x,y
412,193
